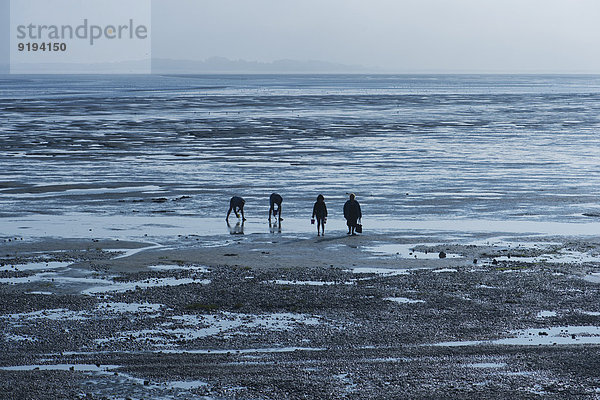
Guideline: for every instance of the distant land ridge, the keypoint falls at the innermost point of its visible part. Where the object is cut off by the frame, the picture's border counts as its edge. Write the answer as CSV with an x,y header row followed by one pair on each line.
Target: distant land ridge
x,y
212,65
225,65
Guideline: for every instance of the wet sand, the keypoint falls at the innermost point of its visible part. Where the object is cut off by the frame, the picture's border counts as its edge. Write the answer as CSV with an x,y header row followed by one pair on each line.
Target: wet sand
x,y
423,146
290,315
119,278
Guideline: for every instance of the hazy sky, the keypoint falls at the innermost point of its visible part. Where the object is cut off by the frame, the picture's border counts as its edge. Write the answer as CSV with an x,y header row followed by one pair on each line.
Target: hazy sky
x,y
394,35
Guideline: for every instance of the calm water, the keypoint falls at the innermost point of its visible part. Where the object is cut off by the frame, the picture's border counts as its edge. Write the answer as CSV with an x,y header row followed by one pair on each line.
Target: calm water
x,y
422,147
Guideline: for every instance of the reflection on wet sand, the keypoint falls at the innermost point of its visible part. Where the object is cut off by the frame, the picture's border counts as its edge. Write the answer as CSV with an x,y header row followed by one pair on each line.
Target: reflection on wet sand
x,y
237,229
275,227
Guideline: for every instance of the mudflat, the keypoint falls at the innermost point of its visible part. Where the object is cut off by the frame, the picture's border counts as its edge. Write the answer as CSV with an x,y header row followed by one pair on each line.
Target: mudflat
x,y
270,316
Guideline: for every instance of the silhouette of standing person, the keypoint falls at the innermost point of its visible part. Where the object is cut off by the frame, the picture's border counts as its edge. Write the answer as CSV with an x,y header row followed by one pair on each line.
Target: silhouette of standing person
x,y
352,213
274,200
236,204
320,211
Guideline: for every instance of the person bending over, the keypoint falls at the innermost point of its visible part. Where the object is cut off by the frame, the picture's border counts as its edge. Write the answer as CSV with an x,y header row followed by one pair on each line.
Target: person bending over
x,y
352,213
237,205
275,200
320,212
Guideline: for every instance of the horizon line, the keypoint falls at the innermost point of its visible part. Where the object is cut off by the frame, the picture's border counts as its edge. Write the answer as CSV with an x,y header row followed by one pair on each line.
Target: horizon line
x,y
424,73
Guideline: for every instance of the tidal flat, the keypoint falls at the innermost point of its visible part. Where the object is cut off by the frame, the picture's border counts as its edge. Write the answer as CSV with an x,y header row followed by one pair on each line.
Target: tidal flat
x,y
272,317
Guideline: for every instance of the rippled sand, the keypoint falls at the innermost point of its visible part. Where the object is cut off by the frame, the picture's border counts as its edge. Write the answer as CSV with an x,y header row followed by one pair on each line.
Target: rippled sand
x,y
490,147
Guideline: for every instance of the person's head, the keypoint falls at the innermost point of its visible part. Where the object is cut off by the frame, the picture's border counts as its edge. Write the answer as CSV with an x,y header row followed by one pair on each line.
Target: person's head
x,y
320,198
352,196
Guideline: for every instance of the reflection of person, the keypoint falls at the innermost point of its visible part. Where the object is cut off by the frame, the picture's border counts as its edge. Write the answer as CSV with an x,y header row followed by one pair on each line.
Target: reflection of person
x,y
275,199
275,227
352,213
236,204
320,212
238,229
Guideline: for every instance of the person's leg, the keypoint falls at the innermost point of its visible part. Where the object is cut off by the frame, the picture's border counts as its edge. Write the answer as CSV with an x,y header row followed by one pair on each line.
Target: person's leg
x,y
279,212
228,212
323,226
349,225
242,211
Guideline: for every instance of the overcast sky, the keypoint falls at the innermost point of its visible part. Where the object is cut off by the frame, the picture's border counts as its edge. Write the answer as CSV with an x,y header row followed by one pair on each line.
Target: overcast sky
x,y
393,35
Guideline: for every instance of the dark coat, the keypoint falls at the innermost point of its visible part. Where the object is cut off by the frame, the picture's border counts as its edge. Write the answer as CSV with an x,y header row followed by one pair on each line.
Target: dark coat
x,y
236,202
275,199
319,210
352,211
